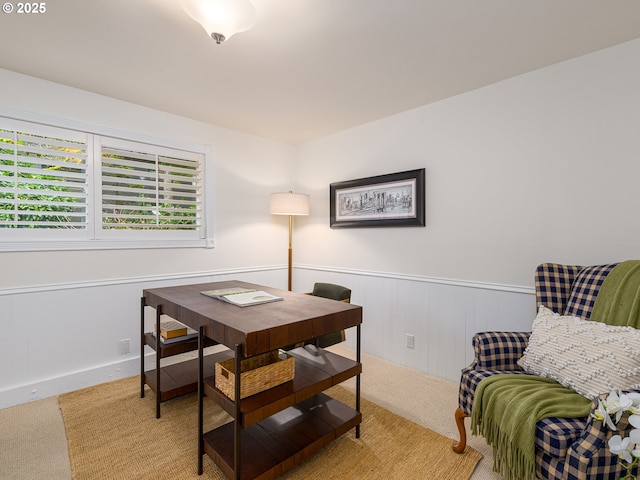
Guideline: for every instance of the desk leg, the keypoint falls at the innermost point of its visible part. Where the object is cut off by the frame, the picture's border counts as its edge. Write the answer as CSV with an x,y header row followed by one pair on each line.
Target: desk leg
x,y
200,398
158,355
358,359
142,305
237,421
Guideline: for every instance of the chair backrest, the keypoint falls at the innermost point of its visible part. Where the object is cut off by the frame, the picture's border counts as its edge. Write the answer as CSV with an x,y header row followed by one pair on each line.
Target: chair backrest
x,y
569,289
332,291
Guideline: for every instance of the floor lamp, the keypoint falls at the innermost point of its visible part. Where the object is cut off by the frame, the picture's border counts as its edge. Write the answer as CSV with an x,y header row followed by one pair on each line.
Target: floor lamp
x,y
289,204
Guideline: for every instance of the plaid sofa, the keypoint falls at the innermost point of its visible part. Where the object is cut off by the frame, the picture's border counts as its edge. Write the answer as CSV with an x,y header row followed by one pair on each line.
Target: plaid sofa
x,y
566,448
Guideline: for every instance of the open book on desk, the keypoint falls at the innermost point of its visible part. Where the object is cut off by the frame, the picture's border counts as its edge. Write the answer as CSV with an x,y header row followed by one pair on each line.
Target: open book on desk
x,y
242,297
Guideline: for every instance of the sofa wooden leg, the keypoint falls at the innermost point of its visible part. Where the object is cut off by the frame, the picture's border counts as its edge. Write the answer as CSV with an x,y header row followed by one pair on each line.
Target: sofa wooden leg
x,y
460,446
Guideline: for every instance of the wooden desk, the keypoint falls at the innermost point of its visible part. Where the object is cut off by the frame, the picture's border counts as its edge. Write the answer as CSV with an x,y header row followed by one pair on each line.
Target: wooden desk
x,y
263,442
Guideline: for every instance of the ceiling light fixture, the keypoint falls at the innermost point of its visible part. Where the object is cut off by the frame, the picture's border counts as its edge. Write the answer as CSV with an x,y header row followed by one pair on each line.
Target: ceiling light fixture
x,y
222,18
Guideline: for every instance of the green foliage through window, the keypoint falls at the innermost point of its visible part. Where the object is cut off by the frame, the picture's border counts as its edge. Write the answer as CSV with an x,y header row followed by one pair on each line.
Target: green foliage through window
x,y
42,181
49,179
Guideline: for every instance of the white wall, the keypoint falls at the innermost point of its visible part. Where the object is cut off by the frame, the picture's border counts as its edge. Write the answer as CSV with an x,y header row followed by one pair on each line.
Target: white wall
x,y
61,338
541,167
63,313
246,170
442,315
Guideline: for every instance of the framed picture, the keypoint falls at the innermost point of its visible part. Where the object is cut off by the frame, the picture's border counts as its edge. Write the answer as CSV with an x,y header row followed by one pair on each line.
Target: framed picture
x,y
393,200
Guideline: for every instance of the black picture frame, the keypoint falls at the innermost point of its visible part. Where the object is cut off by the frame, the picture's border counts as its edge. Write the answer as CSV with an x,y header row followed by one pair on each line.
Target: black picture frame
x,y
392,200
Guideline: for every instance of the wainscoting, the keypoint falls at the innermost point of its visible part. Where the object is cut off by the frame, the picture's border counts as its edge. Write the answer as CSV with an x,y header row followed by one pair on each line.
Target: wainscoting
x,y
441,314
59,338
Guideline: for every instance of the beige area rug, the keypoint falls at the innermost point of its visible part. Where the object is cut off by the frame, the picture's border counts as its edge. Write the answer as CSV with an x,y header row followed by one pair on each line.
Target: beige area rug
x,y
113,434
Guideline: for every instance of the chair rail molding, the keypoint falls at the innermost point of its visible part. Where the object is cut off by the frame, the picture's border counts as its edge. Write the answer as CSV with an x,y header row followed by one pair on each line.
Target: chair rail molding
x,y
423,279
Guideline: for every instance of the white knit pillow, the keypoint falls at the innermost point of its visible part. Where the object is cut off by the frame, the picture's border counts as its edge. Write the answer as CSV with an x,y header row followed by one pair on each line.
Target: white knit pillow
x,y
588,357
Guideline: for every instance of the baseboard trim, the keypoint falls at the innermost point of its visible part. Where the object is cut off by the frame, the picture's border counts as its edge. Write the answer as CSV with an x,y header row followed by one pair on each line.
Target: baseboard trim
x,y
49,387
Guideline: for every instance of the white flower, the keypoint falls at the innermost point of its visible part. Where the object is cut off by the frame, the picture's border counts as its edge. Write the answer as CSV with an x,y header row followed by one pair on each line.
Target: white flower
x,y
634,438
634,420
616,403
635,398
601,413
621,447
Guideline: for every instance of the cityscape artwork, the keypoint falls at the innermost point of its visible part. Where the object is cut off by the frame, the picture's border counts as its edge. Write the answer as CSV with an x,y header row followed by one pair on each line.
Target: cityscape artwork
x,y
395,199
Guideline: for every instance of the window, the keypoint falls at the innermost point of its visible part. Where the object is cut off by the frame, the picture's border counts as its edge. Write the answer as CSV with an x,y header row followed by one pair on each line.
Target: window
x,y
43,179
63,188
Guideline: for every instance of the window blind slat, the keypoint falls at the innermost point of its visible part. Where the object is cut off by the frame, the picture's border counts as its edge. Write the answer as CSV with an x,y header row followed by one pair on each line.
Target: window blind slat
x,y
120,164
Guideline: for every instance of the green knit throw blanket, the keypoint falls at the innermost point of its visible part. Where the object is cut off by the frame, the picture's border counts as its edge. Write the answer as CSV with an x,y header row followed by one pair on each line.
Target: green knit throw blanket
x,y
506,409
618,300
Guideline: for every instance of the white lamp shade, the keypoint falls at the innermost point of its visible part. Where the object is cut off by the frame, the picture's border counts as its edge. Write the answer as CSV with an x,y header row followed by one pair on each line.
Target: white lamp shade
x,y
289,204
224,17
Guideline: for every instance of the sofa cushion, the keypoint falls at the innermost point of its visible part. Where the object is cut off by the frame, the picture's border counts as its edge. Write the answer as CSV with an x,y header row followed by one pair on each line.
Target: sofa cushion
x,y
554,436
588,357
584,290
553,285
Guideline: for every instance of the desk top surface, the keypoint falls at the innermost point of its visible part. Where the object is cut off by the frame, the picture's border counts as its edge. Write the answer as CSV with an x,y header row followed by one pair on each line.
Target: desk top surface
x,y
257,328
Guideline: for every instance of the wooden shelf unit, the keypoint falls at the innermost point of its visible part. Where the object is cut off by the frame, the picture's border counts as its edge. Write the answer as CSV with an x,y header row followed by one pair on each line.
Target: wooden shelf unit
x,y
310,379
283,440
286,424
174,380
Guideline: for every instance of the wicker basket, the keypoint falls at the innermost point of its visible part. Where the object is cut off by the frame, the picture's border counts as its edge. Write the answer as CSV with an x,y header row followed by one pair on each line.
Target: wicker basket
x,y
257,374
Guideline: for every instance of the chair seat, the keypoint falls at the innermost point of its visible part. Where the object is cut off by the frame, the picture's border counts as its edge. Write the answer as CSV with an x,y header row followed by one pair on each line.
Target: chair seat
x,y
554,436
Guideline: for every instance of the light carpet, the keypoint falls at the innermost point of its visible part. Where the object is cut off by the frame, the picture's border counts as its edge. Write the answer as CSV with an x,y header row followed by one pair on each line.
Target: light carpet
x,y
113,434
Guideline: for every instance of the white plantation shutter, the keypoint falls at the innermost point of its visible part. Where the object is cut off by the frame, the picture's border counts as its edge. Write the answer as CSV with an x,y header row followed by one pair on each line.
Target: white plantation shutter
x,y
43,177
70,189
150,188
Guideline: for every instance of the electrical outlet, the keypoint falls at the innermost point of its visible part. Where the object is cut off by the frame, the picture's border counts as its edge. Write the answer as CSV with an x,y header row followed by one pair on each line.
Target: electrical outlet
x,y
125,346
410,341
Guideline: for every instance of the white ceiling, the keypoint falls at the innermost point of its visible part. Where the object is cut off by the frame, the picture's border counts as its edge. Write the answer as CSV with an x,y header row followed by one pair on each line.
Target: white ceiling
x,y
309,67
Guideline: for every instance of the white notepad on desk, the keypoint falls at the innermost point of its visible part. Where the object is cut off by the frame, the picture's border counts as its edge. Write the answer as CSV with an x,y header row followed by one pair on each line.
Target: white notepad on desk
x,y
242,297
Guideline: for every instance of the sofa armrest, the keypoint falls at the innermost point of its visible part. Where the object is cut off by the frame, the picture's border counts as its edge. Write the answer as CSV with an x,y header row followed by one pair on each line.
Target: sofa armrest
x,y
498,350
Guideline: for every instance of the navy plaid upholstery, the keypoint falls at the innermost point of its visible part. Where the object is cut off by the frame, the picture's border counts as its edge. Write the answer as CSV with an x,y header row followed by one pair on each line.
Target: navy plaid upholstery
x,y
554,436
566,449
553,285
585,289
589,458
499,350
495,352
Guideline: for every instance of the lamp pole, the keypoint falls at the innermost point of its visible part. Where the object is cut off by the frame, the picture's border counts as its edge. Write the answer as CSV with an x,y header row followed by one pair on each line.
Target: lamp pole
x,y
290,250
289,204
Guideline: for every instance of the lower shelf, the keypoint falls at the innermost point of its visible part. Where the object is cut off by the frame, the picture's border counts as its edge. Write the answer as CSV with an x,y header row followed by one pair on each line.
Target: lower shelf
x,y
182,378
274,445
